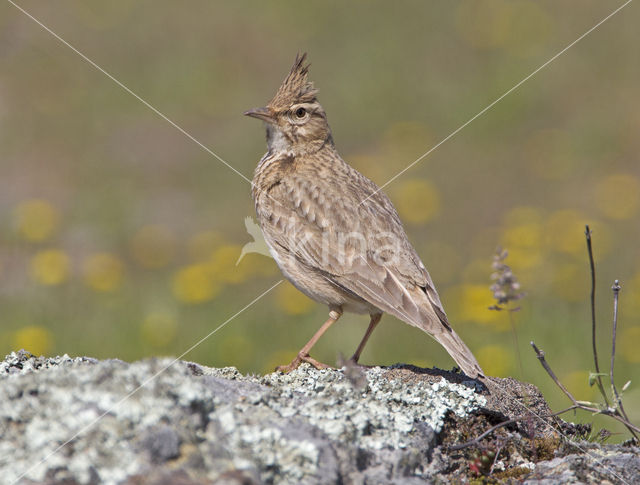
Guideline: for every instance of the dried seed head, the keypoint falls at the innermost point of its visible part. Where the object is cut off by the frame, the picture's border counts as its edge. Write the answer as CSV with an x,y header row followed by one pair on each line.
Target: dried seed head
x,y
506,287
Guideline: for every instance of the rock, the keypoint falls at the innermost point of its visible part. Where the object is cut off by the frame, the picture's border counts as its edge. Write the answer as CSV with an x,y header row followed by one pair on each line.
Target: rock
x,y
162,444
595,466
160,421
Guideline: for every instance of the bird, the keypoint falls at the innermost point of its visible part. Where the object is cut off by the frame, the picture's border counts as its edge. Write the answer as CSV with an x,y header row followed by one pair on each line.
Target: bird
x,y
334,234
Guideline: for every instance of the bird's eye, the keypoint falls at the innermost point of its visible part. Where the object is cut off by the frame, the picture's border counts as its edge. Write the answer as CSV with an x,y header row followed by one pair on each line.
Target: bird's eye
x,y
301,112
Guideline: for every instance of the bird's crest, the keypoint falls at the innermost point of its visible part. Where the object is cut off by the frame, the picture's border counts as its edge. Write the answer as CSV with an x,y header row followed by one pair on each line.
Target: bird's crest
x,y
295,88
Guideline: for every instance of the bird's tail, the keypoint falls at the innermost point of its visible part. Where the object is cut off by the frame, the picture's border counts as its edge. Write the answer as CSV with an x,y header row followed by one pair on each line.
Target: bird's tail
x,y
458,350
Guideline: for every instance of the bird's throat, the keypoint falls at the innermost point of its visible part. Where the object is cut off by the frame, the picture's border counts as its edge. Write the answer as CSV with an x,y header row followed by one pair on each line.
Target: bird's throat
x,y
277,142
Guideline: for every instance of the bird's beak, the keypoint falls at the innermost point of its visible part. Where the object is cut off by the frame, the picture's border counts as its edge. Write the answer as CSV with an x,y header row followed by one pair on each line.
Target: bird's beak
x,y
263,114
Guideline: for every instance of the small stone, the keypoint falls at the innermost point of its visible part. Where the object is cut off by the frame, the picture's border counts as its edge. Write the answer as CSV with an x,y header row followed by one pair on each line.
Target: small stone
x,y
163,444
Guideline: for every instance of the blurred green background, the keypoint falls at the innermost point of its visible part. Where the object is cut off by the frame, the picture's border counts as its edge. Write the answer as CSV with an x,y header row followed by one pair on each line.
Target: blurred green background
x,y
119,235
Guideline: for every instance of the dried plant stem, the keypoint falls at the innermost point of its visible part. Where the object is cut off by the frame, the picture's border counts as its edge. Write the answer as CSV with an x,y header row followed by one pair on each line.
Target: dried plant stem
x,y
587,233
608,411
540,354
516,344
616,290
495,460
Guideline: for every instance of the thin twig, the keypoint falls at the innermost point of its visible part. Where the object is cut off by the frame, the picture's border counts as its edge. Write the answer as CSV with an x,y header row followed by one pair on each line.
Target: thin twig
x,y
587,233
495,459
616,291
493,428
540,355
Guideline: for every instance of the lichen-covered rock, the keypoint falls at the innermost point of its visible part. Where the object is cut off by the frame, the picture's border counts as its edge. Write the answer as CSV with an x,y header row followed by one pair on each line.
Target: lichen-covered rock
x,y
616,465
108,421
160,421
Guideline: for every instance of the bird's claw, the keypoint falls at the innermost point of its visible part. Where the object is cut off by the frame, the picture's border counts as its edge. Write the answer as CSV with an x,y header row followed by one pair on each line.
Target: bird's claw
x,y
299,359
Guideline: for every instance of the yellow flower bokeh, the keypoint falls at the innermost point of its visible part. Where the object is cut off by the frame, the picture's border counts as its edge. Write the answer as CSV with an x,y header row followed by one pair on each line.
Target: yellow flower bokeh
x,y
103,272
523,214
201,245
36,220
526,262
495,360
194,284
618,196
523,238
292,301
159,329
49,267
222,264
417,201
470,303
527,235
34,338
153,246
564,232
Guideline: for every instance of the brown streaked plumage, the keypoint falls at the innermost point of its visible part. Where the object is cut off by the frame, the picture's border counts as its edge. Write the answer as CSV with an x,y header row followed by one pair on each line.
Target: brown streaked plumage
x,y
332,232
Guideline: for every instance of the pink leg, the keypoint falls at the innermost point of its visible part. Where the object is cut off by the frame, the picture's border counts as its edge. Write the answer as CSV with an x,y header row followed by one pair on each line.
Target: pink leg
x,y
375,319
303,355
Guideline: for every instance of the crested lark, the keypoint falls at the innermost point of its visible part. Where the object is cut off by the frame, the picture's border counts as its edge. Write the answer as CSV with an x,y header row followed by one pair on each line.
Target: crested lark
x,y
333,233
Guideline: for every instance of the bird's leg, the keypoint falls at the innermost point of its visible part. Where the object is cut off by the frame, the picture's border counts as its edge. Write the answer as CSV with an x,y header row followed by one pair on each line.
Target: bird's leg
x,y
303,355
375,319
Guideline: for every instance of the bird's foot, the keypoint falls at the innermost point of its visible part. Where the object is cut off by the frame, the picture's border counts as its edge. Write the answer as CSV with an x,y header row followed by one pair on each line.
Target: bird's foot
x,y
299,359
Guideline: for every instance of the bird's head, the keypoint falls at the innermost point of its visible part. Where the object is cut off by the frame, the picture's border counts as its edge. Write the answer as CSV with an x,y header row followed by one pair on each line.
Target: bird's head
x,y
294,119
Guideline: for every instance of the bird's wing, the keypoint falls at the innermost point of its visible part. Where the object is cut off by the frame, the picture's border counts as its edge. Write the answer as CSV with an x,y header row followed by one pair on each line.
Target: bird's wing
x,y
401,274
